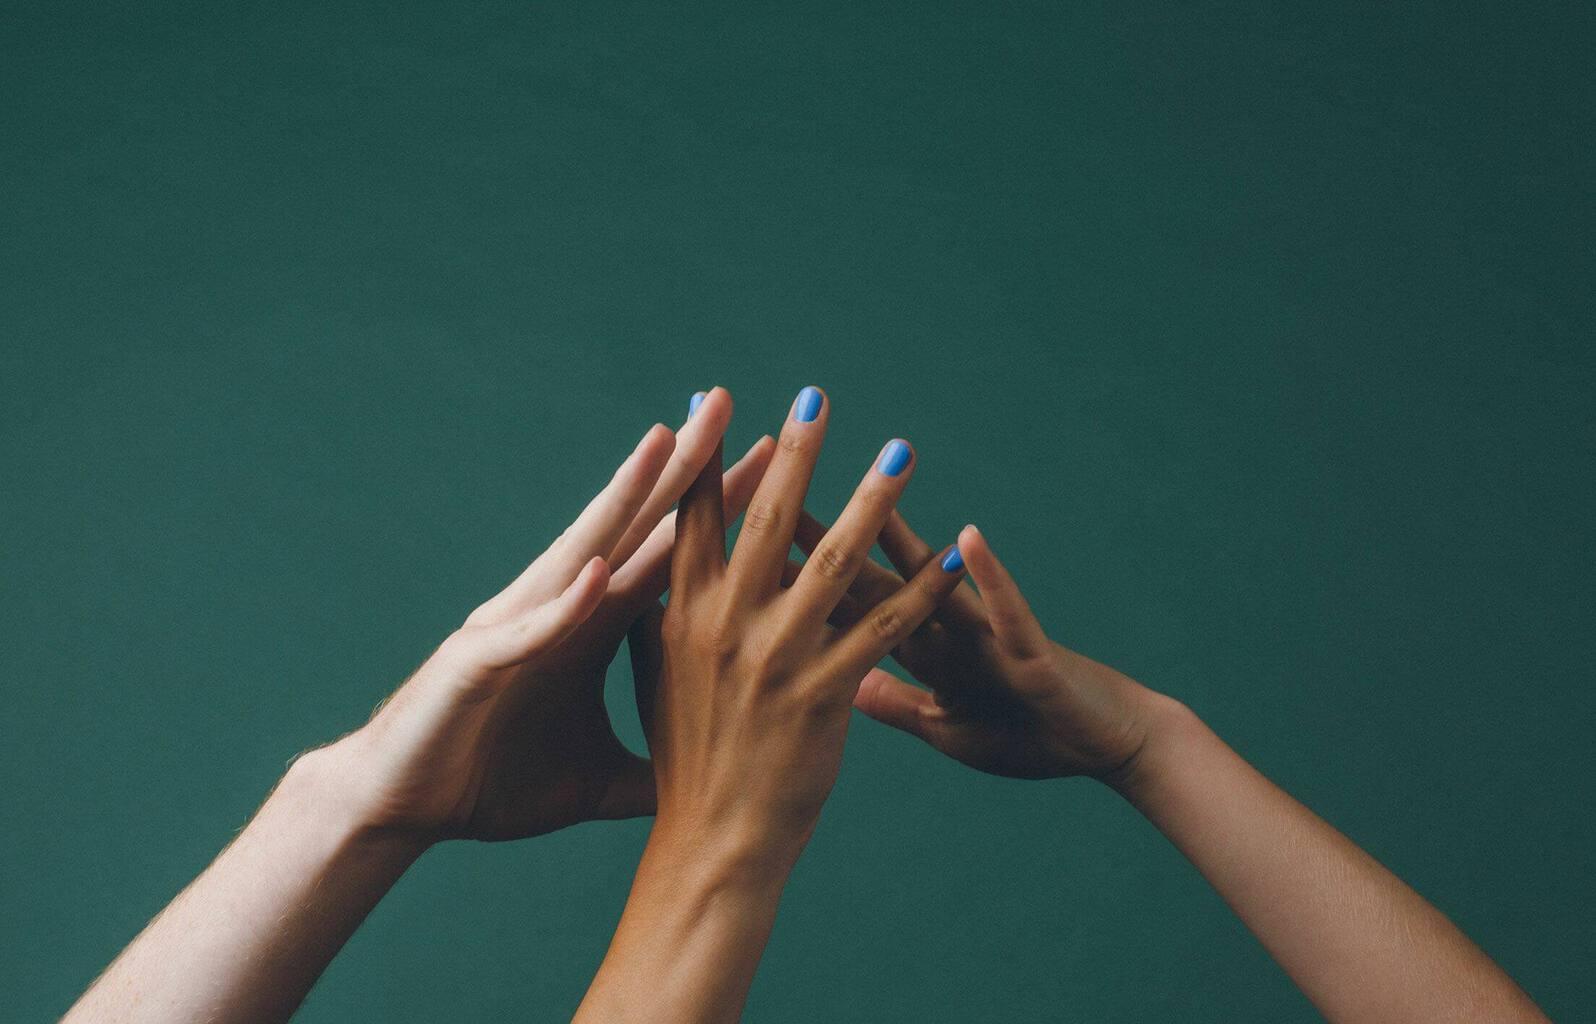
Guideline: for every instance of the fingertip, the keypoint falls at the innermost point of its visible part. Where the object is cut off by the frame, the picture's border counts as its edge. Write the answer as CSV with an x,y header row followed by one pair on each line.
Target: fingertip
x,y
757,457
657,444
972,547
892,702
864,698
809,405
717,404
589,587
596,571
712,406
896,458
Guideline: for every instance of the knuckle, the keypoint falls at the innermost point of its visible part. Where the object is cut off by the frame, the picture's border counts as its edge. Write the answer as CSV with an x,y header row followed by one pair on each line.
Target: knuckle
x,y
797,443
886,622
833,562
876,500
762,517
718,635
765,664
822,702
1002,618
673,626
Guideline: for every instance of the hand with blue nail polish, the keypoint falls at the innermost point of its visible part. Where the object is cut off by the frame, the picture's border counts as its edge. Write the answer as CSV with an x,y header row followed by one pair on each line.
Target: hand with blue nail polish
x,y
747,722
806,408
1001,696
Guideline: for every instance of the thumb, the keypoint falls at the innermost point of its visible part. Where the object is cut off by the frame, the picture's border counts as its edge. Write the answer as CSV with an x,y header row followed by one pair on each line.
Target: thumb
x,y
544,626
631,790
891,701
647,651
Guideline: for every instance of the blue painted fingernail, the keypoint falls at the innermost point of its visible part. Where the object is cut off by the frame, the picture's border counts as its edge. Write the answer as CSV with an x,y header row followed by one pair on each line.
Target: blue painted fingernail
x,y
952,561
808,405
694,402
894,457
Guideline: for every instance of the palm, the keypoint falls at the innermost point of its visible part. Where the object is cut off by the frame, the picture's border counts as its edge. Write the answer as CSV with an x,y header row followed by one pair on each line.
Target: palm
x,y
554,758
1027,718
1003,698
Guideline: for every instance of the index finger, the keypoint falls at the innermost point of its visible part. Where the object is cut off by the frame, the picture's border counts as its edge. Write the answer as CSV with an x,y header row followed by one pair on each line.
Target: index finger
x,y
887,624
709,413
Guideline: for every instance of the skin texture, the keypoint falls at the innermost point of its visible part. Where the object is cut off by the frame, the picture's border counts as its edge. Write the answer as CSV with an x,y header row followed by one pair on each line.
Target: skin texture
x,y
746,728
745,683
1004,699
501,734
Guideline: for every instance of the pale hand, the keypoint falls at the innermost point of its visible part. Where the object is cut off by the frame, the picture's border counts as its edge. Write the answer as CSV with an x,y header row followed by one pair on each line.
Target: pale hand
x,y
503,732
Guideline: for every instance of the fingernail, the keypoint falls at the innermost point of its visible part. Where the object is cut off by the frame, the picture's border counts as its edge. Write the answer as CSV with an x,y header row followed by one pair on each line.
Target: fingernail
x,y
808,405
952,561
694,402
894,457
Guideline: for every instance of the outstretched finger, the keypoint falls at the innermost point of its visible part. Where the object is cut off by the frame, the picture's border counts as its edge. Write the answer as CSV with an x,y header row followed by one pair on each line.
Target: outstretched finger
x,y
772,516
593,534
707,418
1013,623
874,583
839,557
700,549
542,627
851,607
909,554
645,576
887,624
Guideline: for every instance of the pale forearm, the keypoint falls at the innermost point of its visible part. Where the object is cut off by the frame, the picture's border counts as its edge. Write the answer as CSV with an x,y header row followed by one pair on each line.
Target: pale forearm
x,y
1361,945
247,939
696,922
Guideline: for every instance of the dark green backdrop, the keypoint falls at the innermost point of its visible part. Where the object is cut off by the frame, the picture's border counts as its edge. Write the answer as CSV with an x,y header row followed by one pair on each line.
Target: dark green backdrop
x,y
1257,339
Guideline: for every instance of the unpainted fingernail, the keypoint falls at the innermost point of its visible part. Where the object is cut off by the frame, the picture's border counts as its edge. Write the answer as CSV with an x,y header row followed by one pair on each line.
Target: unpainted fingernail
x,y
894,457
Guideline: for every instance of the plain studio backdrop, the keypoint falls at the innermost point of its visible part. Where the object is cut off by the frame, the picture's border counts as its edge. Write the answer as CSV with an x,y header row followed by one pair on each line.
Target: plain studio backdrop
x,y
1259,341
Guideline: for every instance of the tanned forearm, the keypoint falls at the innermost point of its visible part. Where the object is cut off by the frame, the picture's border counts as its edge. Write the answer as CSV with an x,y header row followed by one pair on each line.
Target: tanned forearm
x,y
1360,944
699,915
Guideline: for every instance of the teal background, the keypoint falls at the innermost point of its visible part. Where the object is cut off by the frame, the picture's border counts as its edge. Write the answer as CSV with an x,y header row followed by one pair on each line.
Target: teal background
x,y
1257,337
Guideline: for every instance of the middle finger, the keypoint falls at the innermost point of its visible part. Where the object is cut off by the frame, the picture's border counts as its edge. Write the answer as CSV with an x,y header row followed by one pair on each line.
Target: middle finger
x,y
766,538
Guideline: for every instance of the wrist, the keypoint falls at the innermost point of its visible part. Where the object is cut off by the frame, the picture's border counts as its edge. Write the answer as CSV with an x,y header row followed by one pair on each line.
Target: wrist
x,y
324,791
740,856
1168,726
699,914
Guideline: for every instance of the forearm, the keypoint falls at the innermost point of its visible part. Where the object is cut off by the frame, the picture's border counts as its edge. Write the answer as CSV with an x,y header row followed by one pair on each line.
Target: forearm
x,y
694,928
247,939
1360,944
